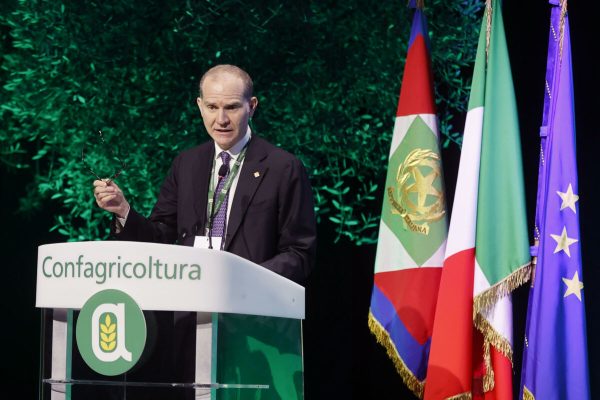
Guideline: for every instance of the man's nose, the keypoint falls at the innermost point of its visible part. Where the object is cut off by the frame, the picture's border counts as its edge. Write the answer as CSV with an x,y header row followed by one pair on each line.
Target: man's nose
x,y
222,118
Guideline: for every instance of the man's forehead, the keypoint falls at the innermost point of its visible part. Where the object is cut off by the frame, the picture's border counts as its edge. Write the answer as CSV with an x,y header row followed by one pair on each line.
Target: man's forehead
x,y
223,82
210,98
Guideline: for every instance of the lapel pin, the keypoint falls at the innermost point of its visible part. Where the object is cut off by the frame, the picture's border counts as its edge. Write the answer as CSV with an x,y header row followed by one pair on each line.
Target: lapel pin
x,y
256,174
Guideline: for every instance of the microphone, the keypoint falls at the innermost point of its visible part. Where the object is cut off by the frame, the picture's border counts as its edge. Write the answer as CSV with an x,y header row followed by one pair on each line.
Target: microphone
x,y
223,171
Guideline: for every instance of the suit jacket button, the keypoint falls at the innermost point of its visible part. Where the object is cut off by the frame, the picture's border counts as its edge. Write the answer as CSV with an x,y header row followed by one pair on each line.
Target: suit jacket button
x,y
184,234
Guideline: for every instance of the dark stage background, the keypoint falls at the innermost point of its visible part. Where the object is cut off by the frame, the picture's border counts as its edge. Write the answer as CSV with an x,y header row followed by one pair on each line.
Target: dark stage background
x,y
342,359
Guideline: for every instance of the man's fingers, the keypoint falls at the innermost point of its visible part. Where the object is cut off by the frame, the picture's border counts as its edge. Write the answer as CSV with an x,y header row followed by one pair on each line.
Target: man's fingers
x,y
105,183
103,195
104,200
98,191
114,185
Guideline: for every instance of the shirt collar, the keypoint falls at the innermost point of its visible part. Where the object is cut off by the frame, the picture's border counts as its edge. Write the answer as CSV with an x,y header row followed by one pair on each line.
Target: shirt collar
x,y
236,149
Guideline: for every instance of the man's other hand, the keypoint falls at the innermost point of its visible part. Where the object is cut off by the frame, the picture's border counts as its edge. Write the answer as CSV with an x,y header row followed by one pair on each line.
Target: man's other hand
x,y
110,198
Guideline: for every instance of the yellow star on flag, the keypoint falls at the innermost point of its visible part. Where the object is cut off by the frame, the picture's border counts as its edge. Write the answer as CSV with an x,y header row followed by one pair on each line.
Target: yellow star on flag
x,y
574,286
423,186
563,242
568,199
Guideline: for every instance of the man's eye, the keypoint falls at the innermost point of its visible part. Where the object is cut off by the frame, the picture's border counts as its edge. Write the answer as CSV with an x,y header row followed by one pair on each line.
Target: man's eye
x,y
212,107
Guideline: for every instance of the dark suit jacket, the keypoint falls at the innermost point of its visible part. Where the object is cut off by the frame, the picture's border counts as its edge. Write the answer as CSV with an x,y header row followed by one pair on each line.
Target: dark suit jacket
x,y
271,222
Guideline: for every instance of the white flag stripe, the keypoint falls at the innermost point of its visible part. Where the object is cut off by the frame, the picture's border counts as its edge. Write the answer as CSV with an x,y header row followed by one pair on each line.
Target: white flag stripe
x,y
391,254
480,282
461,235
396,258
500,317
432,122
401,125
437,259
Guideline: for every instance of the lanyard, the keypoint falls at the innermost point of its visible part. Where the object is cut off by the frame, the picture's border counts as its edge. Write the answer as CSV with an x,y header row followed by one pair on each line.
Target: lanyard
x,y
223,192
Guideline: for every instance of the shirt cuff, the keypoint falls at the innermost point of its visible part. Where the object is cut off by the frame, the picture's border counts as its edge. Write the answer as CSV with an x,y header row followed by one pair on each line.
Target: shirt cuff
x,y
121,221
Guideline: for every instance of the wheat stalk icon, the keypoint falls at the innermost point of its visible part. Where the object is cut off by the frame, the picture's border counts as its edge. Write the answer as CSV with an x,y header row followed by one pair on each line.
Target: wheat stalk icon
x,y
108,334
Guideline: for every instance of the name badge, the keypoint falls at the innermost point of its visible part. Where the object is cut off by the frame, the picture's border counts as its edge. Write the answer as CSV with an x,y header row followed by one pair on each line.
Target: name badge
x,y
202,242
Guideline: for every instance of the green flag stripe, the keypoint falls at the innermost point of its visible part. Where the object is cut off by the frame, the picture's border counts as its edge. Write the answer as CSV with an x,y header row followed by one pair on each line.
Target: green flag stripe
x,y
502,244
478,83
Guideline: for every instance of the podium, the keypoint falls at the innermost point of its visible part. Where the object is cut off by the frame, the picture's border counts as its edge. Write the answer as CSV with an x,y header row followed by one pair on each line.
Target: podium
x,y
131,320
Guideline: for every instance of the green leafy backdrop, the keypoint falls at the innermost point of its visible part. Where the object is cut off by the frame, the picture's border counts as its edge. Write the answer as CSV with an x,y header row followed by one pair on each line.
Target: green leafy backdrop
x,y
327,75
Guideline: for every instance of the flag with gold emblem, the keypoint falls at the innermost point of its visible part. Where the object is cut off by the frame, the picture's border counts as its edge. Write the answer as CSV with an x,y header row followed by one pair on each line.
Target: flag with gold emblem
x,y
555,364
487,255
412,233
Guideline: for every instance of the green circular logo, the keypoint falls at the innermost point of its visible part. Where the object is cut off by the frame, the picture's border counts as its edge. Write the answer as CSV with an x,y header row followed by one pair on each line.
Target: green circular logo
x,y
111,332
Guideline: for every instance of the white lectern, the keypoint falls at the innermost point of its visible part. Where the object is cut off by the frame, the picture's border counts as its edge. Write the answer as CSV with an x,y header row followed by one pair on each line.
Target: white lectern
x,y
208,325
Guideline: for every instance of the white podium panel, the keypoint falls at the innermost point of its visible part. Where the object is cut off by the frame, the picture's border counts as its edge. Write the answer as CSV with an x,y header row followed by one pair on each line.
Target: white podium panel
x,y
163,277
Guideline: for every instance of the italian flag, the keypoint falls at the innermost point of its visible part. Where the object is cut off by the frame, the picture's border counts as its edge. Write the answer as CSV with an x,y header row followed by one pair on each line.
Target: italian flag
x,y
487,254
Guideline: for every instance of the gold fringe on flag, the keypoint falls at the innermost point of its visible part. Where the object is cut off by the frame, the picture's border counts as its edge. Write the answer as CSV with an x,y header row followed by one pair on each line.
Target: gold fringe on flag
x,y
527,395
494,338
484,301
383,338
488,378
491,338
488,27
561,28
462,396
481,305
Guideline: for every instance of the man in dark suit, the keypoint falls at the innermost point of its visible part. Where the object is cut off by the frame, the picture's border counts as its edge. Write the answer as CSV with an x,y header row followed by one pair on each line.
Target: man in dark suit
x,y
236,193
237,187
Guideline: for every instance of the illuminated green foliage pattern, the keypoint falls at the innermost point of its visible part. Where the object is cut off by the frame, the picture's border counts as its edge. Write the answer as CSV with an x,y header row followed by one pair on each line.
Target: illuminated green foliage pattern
x,y
327,75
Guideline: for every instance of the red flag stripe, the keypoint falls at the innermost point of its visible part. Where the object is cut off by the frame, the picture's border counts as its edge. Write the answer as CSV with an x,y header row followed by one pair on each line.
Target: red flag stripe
x,y
450,365
416,95
413,292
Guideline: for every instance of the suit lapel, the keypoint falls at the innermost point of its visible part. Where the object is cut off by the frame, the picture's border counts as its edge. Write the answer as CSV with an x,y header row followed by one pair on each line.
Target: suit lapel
x,y
202,172
251,175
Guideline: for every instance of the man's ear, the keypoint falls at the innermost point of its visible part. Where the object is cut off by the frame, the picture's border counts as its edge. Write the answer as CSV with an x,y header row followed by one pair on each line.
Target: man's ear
x,y
199,103
253,105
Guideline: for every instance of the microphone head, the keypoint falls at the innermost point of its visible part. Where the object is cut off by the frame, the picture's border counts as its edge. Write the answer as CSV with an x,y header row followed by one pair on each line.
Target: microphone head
x,y
223,171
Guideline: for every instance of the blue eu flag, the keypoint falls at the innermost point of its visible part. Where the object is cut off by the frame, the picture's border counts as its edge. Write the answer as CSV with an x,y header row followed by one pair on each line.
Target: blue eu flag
x,y
555,363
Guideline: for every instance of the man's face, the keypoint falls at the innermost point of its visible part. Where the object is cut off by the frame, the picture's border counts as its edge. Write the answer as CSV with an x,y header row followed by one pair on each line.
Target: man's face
x,y
224,109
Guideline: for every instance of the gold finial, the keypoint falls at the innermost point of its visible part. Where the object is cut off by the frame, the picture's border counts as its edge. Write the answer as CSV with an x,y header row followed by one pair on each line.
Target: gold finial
x,y
418,3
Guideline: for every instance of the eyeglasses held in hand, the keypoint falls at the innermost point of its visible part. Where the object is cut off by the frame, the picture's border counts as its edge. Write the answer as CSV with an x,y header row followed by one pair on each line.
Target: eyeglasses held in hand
x,y
116,174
